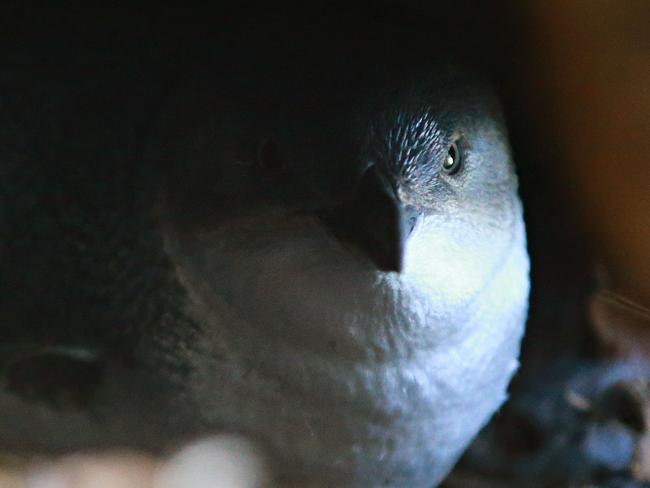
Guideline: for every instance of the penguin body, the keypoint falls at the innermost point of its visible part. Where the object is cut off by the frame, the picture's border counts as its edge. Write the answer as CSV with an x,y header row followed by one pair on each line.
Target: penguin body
x,y
324,253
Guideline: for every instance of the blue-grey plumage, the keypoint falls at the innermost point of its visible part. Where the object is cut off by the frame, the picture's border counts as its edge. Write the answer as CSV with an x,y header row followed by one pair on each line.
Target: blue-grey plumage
x,y
328,256
357,348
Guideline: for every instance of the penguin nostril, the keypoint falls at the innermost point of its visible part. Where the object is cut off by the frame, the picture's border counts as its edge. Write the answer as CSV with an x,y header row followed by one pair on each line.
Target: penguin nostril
x,y
410,218
270,156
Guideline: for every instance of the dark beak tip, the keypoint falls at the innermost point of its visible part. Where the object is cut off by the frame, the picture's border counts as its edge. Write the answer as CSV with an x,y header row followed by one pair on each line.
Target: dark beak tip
x,y
375,223
391,262
394,269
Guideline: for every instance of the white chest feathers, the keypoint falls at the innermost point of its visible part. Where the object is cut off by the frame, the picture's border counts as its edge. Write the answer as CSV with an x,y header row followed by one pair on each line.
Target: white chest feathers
x,y
345,374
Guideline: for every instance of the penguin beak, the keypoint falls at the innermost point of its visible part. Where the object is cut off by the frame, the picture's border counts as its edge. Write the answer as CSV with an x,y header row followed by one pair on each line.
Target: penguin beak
x,y
374,222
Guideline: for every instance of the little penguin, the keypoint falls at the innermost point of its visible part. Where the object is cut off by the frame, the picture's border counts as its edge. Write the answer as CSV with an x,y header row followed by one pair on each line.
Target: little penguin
x,y
313,248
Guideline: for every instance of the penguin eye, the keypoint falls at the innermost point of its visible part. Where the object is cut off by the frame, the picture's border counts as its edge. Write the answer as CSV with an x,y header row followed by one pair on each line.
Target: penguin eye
x,y
453,160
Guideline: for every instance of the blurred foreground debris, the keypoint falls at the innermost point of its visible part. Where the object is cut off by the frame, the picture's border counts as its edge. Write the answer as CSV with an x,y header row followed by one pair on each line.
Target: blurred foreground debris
x,y
219,462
